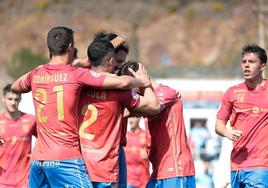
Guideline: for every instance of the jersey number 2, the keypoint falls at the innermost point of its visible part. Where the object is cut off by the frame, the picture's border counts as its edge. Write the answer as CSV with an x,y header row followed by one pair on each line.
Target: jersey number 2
x,y
92,118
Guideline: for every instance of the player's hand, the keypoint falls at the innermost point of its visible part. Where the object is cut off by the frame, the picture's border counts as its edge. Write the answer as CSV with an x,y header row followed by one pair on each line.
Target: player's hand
x,y
142,75
81,62
234,134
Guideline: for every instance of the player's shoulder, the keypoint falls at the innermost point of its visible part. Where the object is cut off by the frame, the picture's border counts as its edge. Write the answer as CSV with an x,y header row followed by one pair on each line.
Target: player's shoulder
x,y
81,70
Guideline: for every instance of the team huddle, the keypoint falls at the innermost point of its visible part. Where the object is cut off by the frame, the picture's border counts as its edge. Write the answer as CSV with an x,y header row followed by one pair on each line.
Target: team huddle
x,y
81,111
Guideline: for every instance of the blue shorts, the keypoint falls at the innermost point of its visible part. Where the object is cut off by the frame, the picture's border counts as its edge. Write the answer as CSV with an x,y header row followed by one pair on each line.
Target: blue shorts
x,y
104,184
249,178
63,173
131,186
178,182
122,168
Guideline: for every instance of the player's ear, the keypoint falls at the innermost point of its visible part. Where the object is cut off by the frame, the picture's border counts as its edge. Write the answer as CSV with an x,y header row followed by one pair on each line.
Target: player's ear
x,y
111,61
70,46
263,66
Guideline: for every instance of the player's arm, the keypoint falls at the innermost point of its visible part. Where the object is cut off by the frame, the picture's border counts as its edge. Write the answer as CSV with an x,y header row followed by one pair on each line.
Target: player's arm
x,y
149,103
21,85
222,130
141,79
123,82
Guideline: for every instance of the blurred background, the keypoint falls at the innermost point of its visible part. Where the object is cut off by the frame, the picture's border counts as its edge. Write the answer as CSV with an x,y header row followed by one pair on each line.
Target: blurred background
x,y
191,45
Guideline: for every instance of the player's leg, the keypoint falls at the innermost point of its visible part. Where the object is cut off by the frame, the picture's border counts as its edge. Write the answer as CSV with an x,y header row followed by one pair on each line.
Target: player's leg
x,y
254,178
37,177
122,168
67,173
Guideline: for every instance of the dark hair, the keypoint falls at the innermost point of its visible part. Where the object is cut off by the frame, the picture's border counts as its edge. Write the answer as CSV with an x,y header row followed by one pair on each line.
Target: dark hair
x,y
129,64
75,55
109,36
58,40
254,48
7,89
98,51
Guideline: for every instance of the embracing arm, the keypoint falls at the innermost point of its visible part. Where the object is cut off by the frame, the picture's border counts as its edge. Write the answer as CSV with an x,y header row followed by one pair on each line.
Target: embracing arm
x,y
149,103
123,82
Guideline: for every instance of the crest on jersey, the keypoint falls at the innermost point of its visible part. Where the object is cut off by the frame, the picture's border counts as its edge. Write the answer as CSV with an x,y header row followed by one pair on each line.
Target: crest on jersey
x,y
135,95
142,139
240,95
25,128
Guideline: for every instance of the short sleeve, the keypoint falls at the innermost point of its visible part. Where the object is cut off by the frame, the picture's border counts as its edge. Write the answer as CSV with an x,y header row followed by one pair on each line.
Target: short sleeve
x,y
225,108
129,99
90,78
25,83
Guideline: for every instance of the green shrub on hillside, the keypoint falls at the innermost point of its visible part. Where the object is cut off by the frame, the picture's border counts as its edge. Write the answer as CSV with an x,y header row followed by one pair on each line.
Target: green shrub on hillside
x,y
24,60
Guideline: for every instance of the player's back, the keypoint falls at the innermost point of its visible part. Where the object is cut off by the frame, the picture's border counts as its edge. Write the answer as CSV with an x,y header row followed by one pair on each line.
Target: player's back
x,y
55,89
167,142
100,130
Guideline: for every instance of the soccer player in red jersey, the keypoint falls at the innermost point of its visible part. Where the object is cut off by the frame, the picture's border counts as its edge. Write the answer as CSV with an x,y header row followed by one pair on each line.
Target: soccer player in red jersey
x,y
121,52
246,106
168,150
16,131
136,156
101,116
56,87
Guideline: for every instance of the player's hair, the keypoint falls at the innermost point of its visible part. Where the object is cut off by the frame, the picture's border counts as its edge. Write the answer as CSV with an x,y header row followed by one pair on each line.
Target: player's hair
x,y
109,36
58,40
254,48
75,54
7,89
124,70
99,51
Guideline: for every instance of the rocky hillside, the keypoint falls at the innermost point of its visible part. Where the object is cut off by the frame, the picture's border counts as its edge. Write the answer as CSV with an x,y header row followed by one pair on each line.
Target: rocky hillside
x,y
173,38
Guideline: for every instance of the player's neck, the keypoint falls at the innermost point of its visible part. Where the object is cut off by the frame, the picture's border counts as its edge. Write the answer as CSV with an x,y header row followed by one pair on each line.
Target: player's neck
x,y
255,84
12,115
134,129
60,59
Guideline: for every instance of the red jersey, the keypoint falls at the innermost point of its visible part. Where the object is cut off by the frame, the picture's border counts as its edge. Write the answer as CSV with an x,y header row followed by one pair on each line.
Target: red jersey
x,y
137,159
167,144
248,112
55,89
15,154
100,130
